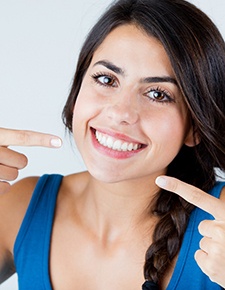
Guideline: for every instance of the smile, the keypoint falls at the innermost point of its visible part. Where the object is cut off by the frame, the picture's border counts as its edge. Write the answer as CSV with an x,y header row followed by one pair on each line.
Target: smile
x,y
116,144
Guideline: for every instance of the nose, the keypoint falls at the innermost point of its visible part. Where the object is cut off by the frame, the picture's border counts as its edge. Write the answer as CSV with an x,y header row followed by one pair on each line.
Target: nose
x,y
124,111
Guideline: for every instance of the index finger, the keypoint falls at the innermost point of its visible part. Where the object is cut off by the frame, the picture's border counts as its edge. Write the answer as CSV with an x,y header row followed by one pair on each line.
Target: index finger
x,y
193,195
10,137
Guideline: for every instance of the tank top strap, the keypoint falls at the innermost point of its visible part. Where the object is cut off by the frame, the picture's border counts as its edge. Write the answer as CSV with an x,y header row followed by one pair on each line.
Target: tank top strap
x,y
32,245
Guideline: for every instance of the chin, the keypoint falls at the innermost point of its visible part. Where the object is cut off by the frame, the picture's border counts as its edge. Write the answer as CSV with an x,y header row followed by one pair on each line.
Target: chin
x,y
106,178
106,175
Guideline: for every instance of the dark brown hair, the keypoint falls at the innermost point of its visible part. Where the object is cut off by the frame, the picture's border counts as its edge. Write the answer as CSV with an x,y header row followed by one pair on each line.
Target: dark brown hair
x,y
197,54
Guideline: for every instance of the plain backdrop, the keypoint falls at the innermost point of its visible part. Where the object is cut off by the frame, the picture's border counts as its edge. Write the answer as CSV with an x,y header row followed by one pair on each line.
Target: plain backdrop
x,y
39,46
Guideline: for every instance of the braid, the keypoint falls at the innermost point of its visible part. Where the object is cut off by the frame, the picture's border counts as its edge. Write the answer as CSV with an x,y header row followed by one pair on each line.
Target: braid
x,y
173,213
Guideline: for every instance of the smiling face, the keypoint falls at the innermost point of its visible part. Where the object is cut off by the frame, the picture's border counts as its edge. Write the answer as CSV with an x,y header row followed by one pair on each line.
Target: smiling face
x,y
130,120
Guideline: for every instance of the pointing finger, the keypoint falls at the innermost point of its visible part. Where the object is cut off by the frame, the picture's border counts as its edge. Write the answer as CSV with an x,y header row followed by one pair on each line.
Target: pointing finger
x,y
10,137
195,196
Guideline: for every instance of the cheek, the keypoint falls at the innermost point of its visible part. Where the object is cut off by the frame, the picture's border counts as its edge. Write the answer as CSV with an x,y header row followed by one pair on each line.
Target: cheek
x,y
81,108
166,127
167,135
84,110
78,116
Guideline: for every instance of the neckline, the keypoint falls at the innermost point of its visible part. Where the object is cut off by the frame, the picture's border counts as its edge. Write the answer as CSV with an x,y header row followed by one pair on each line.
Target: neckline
x,y
177,270
182,256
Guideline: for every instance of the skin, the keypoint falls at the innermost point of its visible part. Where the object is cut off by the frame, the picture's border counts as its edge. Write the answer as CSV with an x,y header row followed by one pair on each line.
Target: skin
x,y
101,215
127,107
11,161
211,255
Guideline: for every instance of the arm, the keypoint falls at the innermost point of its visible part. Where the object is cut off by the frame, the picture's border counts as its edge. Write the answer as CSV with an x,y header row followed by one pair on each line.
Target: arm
x,y
13,206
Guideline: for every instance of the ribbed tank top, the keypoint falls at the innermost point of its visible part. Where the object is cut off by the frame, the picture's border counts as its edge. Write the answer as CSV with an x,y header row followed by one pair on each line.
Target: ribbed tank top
x,y
32,245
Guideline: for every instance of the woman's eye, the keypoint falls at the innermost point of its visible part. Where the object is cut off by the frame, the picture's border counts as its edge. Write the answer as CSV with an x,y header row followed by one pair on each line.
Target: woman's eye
x,y
105,80
159,96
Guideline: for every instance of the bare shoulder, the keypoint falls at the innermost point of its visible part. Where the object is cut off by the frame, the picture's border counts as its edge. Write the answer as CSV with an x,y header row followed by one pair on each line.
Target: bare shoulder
x,y
75,183
71,189
13,206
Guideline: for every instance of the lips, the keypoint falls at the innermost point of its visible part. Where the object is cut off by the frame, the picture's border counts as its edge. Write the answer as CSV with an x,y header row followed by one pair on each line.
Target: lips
x,y
115,143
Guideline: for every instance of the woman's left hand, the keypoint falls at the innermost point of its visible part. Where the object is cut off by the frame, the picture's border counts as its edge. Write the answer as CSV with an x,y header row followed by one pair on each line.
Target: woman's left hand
x,y
211,255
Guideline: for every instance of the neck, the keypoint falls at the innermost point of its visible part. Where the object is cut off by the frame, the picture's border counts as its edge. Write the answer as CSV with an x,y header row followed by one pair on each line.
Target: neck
x,y
115,209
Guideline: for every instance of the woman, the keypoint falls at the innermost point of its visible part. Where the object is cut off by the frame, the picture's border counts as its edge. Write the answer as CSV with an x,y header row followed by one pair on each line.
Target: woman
x,y
147,100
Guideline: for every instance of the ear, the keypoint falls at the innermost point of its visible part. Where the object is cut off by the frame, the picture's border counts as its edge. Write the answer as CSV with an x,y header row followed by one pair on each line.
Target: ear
x,y
192,139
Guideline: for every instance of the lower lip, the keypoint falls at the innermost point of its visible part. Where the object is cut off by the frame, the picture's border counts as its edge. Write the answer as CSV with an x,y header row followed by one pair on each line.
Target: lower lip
x,y
113,153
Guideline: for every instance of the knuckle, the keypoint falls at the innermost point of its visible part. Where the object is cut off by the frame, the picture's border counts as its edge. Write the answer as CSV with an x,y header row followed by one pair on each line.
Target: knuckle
x,y
212,270
213,276
26,137
173,185
22,136
195,197
42,140
215,253
219,231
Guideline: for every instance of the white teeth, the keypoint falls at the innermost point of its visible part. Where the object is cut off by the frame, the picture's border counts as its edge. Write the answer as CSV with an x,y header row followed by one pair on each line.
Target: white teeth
x,y
109,142
135,147
124,146
103,141
130,147
118,145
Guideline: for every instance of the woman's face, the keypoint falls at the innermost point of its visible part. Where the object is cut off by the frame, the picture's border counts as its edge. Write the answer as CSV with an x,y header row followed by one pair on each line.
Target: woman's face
x,y
130,119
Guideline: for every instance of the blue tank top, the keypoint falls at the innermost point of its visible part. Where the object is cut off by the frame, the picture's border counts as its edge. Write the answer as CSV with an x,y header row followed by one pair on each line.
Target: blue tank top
x,y
32,245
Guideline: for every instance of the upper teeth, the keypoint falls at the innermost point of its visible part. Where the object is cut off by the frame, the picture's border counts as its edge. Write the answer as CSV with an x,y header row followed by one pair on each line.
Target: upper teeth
x,y
115,144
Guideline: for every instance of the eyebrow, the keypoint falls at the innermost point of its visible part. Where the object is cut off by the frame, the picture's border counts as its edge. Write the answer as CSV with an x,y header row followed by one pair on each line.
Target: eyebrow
x,y
163,79
111,66
120,71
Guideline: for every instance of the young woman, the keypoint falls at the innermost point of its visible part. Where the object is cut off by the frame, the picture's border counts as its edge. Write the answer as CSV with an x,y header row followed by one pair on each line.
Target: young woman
x,y
147,102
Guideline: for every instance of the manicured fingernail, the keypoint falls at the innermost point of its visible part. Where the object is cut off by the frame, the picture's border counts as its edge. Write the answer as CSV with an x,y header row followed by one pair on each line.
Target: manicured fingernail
x,y
56,142
160,181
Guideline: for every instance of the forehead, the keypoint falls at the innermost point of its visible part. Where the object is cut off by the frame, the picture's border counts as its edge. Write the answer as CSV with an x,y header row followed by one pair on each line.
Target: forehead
x,y
128,46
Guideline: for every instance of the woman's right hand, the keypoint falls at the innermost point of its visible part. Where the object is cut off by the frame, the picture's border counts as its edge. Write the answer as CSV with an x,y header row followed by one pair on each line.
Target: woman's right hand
x,y
10,160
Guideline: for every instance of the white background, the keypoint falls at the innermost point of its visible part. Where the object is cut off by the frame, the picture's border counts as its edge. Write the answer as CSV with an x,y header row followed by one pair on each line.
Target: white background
x,y
39,45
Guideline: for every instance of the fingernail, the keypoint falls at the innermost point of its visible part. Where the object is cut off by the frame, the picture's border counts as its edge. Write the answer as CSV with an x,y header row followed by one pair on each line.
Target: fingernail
x,y
56,142
160,181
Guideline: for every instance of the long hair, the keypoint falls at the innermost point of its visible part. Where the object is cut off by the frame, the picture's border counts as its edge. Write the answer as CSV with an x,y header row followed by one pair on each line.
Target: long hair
x,y
197,54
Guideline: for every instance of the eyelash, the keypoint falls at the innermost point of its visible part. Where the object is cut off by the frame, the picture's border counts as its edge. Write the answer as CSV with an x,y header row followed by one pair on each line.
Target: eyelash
x,y
166,95
157,89
96,77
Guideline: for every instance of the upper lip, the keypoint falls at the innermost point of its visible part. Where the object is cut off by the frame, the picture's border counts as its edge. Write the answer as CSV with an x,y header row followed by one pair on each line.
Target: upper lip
x,y
117,135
